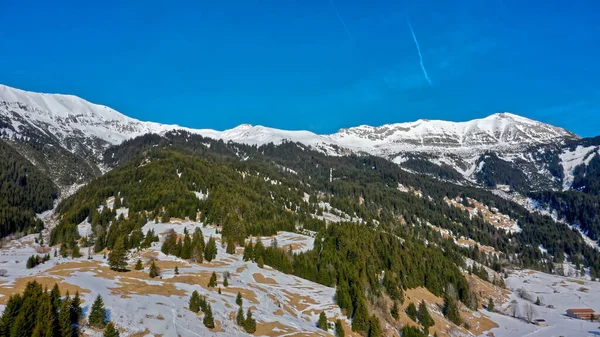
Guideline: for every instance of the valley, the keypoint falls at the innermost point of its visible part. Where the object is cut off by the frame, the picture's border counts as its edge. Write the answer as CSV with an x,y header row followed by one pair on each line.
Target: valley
x,y
363,226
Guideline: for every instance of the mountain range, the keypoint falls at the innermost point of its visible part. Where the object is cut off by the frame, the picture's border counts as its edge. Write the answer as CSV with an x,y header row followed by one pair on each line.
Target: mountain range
x,y
501,150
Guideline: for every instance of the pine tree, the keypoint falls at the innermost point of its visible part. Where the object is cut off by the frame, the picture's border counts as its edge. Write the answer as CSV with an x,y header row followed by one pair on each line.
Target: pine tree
x,y
45,319
10,314
249,323
451,310
374,327
213,280
261,262
75,253
64,318
360,318
208,320
238,299
117,259
176,270
153,272
411,311
186,248
225,282
230,246
424,317
395,311
239,318
538,301
322,323
111,331
64,252
219,291
210,251
490,306
339,329
75,309
98,313
195,302
55,298
249,251
138,265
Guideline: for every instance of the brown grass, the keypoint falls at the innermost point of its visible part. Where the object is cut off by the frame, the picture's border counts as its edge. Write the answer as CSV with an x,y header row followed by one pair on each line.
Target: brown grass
x,y
260,278
45,281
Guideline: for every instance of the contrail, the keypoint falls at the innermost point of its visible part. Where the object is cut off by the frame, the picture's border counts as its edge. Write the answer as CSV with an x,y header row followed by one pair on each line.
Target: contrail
x,y
419,51
341,19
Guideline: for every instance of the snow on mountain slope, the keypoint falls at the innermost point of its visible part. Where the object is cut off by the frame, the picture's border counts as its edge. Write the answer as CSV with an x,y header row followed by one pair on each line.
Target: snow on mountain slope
x,y
86,129
64,116
498,130
570,159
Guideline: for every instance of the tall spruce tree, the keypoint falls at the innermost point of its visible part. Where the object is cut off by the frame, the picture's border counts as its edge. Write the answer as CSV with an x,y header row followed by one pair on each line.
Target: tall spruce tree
x,y
117,259
322,323
98,314
339,329
195,302
250,322
239,318
210,251
238,299
208,320
64,318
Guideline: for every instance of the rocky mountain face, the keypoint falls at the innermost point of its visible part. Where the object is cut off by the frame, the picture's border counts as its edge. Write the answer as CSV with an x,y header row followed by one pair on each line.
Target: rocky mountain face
x,y
66,136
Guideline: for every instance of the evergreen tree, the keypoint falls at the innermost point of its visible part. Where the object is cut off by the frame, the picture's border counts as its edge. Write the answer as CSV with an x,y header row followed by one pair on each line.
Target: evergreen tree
x,y
138,265
170,245
176,270
249,251
360,318
111,331
322,323
411,311
424,317
238,299
219,290
64,318
76,253
249,323
117,259
10,314
186,248
230,246
213,280
538,301
75,309
490,306
64,252
339,329
395,311
374,327
55,298
208,320
239,318
451,310
195,302
98,313
210,251
261,262
153,272
225,282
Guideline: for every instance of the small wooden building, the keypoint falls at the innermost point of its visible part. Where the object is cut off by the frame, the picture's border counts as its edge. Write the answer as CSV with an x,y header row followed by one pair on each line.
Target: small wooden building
x,y
582,313
540,322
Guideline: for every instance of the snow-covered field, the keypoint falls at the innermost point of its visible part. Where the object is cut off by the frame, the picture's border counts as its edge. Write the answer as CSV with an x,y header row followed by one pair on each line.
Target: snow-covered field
x,y
557,294
283,305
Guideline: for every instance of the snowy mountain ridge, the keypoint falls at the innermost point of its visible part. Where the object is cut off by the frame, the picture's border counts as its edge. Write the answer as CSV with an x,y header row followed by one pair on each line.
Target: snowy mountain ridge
x,y
64,114
85,130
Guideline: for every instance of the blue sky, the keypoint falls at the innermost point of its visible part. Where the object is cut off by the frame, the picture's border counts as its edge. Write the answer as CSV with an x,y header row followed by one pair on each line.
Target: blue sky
x,y
311,64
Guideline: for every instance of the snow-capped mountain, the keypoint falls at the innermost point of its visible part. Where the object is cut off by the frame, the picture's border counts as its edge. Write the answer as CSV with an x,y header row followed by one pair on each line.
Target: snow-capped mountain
x,y
82,130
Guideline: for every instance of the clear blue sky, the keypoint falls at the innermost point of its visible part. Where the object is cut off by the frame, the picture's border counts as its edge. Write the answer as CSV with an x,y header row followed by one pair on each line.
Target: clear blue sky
x,y
311,64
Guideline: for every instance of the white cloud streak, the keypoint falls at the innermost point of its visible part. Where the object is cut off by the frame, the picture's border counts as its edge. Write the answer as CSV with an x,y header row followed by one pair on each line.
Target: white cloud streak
x,y
341,19
419,51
